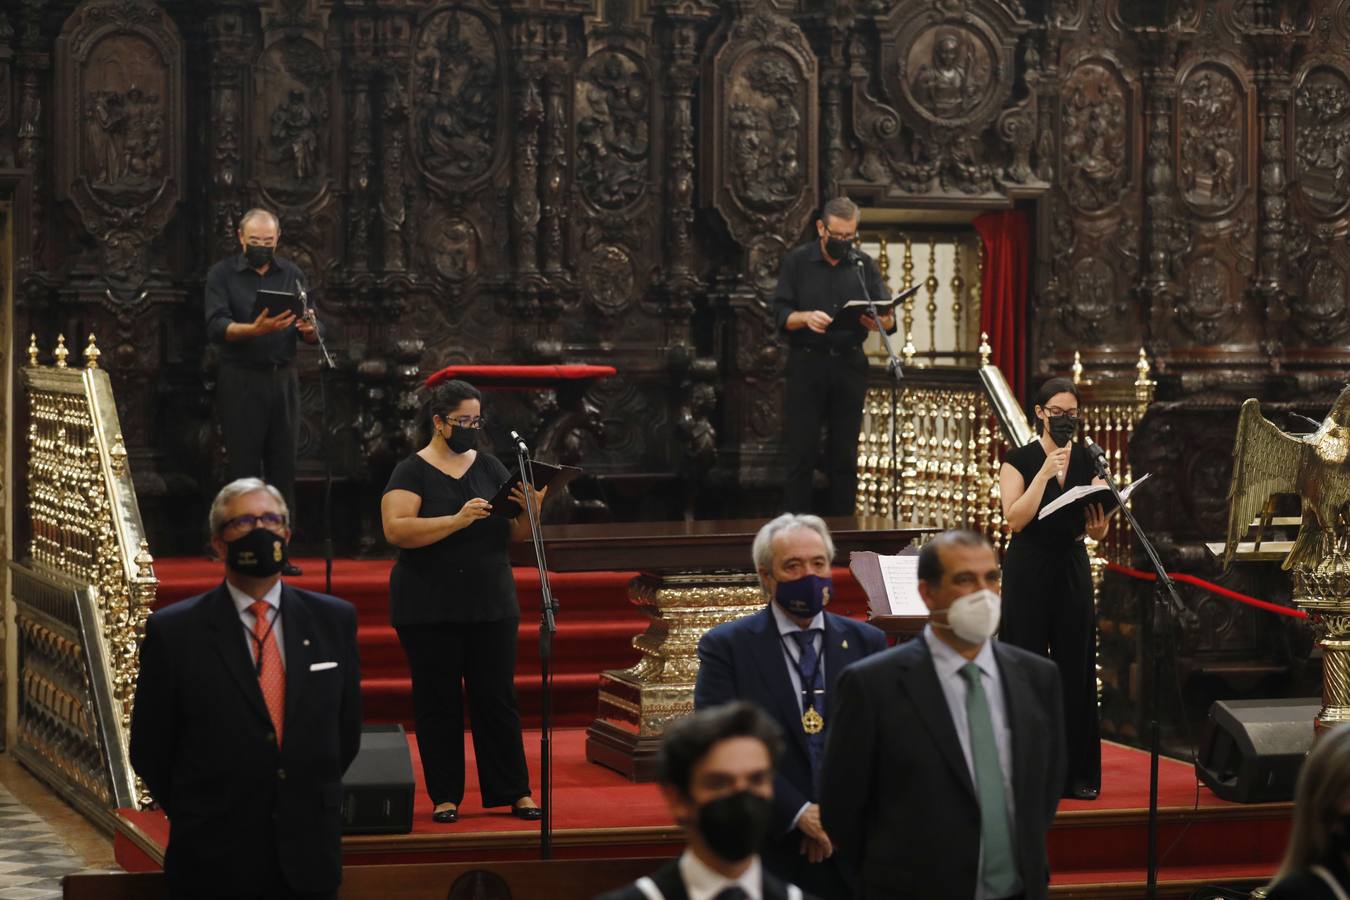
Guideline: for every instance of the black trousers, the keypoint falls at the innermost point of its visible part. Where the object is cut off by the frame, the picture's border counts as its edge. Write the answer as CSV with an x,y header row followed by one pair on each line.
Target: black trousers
x,y
1047,609
260,420
823,387
482,655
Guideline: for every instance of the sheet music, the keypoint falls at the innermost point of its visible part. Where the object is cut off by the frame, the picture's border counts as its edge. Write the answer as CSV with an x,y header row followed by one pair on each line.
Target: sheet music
x,y
1073,495
900,574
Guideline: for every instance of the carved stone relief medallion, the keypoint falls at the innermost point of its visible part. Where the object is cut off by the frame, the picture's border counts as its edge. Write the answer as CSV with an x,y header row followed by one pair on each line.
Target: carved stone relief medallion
x,y
1322,141
1212,119
458,94
608,278
1320,312
613,146
948,73
450,246
1095,148
291,121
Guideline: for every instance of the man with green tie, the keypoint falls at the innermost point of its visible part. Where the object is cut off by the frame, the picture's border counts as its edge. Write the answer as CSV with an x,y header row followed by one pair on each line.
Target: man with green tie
x,y
945,759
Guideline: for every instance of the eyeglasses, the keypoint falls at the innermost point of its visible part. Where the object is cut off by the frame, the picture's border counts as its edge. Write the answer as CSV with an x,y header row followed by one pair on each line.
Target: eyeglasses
x,y
248,523
1055,412
468,421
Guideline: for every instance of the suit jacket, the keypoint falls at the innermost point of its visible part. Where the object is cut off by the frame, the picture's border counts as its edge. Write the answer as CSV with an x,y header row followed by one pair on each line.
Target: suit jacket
x,y
671,886
897,798
743,660
202,740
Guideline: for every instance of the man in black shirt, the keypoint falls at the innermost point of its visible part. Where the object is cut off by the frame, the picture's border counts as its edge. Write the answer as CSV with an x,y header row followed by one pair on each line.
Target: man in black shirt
x,y
826,368
257,391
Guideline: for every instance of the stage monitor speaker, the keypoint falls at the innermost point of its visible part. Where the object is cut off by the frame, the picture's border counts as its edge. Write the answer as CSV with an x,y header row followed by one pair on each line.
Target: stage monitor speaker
x,y
377,790
1252,750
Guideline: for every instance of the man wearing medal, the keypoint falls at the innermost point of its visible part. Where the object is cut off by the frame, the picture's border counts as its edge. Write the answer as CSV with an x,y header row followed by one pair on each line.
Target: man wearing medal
x,y
786,658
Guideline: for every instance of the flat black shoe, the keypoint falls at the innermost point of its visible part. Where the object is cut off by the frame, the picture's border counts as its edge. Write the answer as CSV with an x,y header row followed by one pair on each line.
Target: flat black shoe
x,y
446,816
531,813
1082,792
290,570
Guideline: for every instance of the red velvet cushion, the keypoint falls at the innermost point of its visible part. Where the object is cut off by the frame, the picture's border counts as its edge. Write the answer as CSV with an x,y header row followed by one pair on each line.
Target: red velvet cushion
x,y
519,376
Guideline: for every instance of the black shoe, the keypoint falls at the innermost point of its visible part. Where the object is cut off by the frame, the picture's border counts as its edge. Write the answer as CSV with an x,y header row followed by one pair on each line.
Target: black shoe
x,y
1081,792
531,813
290,570
446,816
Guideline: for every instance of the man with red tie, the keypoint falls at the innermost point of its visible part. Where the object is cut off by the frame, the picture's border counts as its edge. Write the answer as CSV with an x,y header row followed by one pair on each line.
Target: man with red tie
x,y
247,713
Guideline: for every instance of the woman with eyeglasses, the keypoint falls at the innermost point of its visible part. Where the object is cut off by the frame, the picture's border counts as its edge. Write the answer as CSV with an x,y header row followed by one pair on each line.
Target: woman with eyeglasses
x,y
1047,583
452,600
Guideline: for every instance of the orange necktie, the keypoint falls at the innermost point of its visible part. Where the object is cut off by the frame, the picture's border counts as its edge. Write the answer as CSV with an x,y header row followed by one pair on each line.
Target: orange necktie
x,y
271,677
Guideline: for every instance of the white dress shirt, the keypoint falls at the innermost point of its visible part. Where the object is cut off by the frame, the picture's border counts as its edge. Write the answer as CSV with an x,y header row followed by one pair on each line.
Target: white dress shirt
x,y
948,664
703,883
793,653
243,601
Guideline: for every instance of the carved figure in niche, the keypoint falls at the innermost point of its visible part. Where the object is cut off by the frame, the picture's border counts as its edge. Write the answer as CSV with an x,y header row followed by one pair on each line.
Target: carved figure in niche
x,y
953,81
1094,151
765,129
1210,139
612,140
456,76
1321,311
124,131
1322,140
295,136
1093,289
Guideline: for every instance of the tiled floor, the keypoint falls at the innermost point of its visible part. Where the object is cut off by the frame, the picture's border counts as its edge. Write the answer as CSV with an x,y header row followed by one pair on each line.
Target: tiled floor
x,y
32,857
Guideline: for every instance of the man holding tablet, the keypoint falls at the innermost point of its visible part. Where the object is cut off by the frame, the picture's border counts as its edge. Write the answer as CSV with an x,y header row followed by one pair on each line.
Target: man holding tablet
x,y
257,392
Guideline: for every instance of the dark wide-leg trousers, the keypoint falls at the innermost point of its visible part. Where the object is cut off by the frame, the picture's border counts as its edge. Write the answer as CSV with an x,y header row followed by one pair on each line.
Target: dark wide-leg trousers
x,y
1047,609
260,421
481,655
823,387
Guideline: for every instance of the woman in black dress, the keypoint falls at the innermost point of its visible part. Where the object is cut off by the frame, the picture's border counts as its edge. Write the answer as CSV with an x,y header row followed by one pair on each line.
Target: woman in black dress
x,y
1317,861
1047,584
452,600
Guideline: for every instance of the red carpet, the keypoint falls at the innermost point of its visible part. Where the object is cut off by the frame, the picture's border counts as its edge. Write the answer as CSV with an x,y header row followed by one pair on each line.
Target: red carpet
x,y
596,627
599,814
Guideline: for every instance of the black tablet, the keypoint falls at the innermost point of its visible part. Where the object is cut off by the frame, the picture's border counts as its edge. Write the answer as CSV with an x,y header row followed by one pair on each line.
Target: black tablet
x,y
545,475
276,303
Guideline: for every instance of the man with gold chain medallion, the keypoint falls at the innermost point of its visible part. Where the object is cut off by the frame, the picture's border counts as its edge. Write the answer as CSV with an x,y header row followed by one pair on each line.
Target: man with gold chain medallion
x,y
786,659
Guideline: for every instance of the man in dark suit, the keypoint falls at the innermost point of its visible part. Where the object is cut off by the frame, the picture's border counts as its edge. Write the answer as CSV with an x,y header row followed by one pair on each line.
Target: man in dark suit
x,y
716,773
946,754
787,658
247,712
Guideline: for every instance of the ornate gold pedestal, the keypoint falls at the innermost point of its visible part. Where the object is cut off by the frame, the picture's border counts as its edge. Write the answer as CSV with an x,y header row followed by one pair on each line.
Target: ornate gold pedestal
x,y
1324,593
636,703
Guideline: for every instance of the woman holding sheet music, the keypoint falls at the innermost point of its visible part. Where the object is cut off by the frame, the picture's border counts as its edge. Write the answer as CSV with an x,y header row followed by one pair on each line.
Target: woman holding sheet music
x,y
452,600
1047,584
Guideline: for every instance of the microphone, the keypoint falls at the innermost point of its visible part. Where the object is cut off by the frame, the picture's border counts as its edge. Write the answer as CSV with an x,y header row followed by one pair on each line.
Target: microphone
x,y
1313,422
1095,450
520,443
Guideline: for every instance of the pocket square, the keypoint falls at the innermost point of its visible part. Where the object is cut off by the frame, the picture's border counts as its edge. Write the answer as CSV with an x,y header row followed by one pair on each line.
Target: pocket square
x,y
319,667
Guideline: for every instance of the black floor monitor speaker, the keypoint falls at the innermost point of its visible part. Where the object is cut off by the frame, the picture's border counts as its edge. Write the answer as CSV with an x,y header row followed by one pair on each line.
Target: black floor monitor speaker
x,y
377,791
1252,750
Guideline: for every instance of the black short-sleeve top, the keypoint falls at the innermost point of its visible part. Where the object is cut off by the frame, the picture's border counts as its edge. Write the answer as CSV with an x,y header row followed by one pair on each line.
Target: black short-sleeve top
x,y
1065,526
465,576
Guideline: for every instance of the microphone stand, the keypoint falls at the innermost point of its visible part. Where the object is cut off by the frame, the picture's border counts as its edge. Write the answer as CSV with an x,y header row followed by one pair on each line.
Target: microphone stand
x,y
1165,600
326,365
548,627
894,371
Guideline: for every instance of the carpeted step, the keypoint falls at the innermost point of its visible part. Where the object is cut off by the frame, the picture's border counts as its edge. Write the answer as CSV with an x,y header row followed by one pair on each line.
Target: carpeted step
x,y
387,700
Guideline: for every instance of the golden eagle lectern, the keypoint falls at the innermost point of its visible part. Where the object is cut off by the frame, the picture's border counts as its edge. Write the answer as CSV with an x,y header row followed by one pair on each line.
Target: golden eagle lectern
x,y
1316,467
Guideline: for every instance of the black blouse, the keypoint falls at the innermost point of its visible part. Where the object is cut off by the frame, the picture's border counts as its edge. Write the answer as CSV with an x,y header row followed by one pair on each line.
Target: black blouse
x,y
465,576
1064,526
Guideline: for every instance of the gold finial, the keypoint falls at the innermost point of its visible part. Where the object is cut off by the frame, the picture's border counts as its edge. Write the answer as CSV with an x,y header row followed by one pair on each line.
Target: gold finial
x,y
61,351
1077,367
118,454
91,353
144,561
32,349
1143,368
986,351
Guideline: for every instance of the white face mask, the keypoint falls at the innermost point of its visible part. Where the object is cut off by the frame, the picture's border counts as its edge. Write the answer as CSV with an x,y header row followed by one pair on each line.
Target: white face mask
x,y
974,617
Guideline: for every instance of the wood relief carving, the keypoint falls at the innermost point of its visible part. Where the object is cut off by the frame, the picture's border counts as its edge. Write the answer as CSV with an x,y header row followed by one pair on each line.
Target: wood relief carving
x,y
947,75
613,146
450,246
1321,158
1212,116
1208,310
459,99
609,278
1096,154
291,122
119,75
1320,312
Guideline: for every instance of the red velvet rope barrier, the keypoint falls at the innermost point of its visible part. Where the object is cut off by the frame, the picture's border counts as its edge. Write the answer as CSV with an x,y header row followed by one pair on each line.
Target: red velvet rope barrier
x,y
1213,589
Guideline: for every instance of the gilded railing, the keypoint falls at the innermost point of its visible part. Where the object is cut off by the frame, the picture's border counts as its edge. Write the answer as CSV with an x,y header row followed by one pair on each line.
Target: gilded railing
x,y
82,596
954,423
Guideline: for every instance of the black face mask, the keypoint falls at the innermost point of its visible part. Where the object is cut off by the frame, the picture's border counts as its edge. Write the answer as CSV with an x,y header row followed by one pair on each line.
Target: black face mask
x,y
1062,429
461,439
736,825
258,554
258,257
837,249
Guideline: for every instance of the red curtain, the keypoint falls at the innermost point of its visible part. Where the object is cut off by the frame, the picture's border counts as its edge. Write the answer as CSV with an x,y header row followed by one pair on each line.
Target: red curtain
x,y
1003,309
